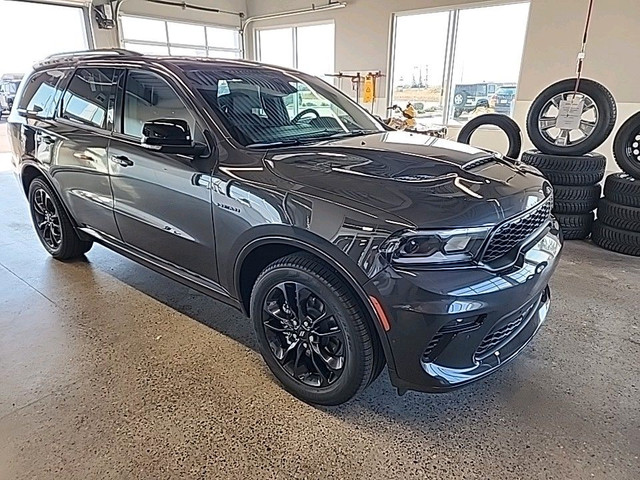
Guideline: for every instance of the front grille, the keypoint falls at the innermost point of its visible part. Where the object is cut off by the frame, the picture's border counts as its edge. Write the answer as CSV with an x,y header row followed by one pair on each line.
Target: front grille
x,y
501,333
514,233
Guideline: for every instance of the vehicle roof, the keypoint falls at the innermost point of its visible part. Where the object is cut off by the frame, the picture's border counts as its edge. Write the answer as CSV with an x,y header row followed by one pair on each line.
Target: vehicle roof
x,y
119,55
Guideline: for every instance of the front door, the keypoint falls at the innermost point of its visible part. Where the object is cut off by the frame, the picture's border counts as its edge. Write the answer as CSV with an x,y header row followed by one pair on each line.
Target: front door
x,y
162,204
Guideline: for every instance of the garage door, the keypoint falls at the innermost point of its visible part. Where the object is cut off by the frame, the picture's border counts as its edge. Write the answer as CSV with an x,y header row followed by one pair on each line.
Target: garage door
x,y
31,31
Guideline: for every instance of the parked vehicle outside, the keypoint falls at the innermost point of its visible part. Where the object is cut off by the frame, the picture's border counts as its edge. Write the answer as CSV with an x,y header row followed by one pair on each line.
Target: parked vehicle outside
x,y
349,246
467,97
502,101
8,87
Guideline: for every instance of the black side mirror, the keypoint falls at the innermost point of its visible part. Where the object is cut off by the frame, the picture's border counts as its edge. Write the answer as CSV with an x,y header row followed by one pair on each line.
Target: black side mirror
x,y
170,135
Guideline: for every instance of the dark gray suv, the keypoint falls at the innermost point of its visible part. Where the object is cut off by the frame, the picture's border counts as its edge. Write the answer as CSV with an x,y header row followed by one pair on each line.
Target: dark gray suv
x,y
350,246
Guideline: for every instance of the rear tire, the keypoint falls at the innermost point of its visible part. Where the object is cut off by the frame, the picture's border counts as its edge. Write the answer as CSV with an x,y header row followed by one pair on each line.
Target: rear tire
x,y
566,170
615,239
292,291
53,226
575,227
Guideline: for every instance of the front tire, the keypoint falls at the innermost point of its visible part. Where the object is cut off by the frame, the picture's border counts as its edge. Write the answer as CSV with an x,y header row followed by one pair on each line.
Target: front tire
x,y
53,226
313,332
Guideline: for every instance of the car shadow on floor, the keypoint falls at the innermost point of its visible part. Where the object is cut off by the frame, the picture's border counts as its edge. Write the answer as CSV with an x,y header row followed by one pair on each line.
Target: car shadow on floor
x,y
381,397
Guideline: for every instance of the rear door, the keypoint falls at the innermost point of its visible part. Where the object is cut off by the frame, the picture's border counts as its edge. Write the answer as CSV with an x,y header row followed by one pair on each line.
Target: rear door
x,y
80,138
162,201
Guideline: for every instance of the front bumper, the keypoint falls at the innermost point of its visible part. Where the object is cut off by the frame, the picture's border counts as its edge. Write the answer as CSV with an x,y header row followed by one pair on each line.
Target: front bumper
x,y
451,327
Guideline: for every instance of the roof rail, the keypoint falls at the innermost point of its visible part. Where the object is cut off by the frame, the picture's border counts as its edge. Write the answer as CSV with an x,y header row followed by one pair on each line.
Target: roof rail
x,y
97,51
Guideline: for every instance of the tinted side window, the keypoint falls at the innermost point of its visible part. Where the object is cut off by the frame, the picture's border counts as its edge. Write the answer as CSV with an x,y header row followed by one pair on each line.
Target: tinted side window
x,y
41,93
150,97
89,97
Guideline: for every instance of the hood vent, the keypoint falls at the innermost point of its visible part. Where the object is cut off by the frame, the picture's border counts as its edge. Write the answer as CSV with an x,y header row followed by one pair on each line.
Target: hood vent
x,y
477,162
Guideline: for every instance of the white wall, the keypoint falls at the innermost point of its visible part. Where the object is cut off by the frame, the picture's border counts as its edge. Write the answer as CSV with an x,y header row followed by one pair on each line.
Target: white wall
x,y
552,43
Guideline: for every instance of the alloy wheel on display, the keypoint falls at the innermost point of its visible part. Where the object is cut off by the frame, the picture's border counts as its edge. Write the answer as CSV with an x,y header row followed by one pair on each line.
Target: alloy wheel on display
x,y
548,120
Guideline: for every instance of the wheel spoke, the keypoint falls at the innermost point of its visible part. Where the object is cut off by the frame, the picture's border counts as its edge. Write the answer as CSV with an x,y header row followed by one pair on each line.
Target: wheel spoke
x,y
547,123
333,332
290,348
562,138
587,127
277,329
324,379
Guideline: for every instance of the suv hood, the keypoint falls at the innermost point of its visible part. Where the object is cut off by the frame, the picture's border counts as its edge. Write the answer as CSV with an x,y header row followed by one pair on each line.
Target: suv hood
x,y
426,181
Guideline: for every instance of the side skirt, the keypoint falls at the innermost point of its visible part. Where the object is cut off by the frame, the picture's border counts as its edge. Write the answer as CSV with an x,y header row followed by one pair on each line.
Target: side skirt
x,y
180,275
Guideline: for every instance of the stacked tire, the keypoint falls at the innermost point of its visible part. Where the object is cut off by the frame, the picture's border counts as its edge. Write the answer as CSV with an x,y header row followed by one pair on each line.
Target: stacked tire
x,y
565,147
618,224
576,189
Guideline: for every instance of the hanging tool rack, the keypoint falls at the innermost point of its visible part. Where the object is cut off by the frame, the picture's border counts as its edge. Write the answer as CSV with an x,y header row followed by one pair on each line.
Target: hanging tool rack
x,y
357,80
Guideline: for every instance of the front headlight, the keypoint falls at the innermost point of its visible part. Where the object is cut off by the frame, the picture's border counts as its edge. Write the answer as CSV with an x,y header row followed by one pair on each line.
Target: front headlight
x,y
433,247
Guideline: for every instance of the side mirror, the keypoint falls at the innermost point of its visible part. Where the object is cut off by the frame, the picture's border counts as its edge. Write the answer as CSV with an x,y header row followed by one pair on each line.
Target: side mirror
x,y
170,136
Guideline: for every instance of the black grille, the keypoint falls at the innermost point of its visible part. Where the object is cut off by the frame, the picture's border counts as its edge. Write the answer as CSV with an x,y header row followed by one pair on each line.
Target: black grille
x,y
515,232
501,333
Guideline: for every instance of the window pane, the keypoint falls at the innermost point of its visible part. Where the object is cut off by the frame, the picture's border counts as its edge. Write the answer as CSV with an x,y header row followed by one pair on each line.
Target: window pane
x,y
147,49
149,97
316,49
41,93
223,54
276,46
188,52
37,28
223,38
186,34
418,72
134,28
88,96
486,67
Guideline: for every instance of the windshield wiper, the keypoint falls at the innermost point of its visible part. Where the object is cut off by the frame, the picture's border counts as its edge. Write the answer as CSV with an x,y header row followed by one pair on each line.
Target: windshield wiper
x,y
352,133
279,143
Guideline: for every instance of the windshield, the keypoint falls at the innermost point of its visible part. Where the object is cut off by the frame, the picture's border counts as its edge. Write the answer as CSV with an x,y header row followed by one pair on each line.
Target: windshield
x,y
261,106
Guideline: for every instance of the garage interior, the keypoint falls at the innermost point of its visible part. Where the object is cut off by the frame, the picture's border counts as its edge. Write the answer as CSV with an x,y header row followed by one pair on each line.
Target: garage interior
x,y
110,370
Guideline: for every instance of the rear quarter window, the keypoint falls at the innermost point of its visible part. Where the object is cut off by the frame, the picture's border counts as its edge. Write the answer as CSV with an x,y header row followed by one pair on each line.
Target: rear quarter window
x,y
41,93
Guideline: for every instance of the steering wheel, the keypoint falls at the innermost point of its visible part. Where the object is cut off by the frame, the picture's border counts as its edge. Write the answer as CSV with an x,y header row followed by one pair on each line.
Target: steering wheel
x,y
297,118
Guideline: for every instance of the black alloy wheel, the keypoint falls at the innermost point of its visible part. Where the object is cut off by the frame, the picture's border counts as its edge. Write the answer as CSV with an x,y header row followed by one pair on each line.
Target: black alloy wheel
x,y
46,219
52,224
303,334
313,331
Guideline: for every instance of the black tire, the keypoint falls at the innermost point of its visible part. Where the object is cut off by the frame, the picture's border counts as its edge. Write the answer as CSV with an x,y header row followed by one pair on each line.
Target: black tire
x,y
626,146
616,240
619,216
606,108
575,227
457,113
503,122
623,189
574,200
58,237
562,170
360,347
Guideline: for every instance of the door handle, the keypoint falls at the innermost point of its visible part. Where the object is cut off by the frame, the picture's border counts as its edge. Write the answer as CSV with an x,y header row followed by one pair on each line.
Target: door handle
x,y
121,160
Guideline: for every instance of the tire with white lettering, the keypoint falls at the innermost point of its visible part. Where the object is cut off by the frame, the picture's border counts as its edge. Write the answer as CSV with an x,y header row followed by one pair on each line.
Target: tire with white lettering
x,y
553,136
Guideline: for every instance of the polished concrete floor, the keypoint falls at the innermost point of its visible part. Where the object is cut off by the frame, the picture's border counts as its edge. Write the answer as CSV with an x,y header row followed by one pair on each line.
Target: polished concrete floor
x,y
108,370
